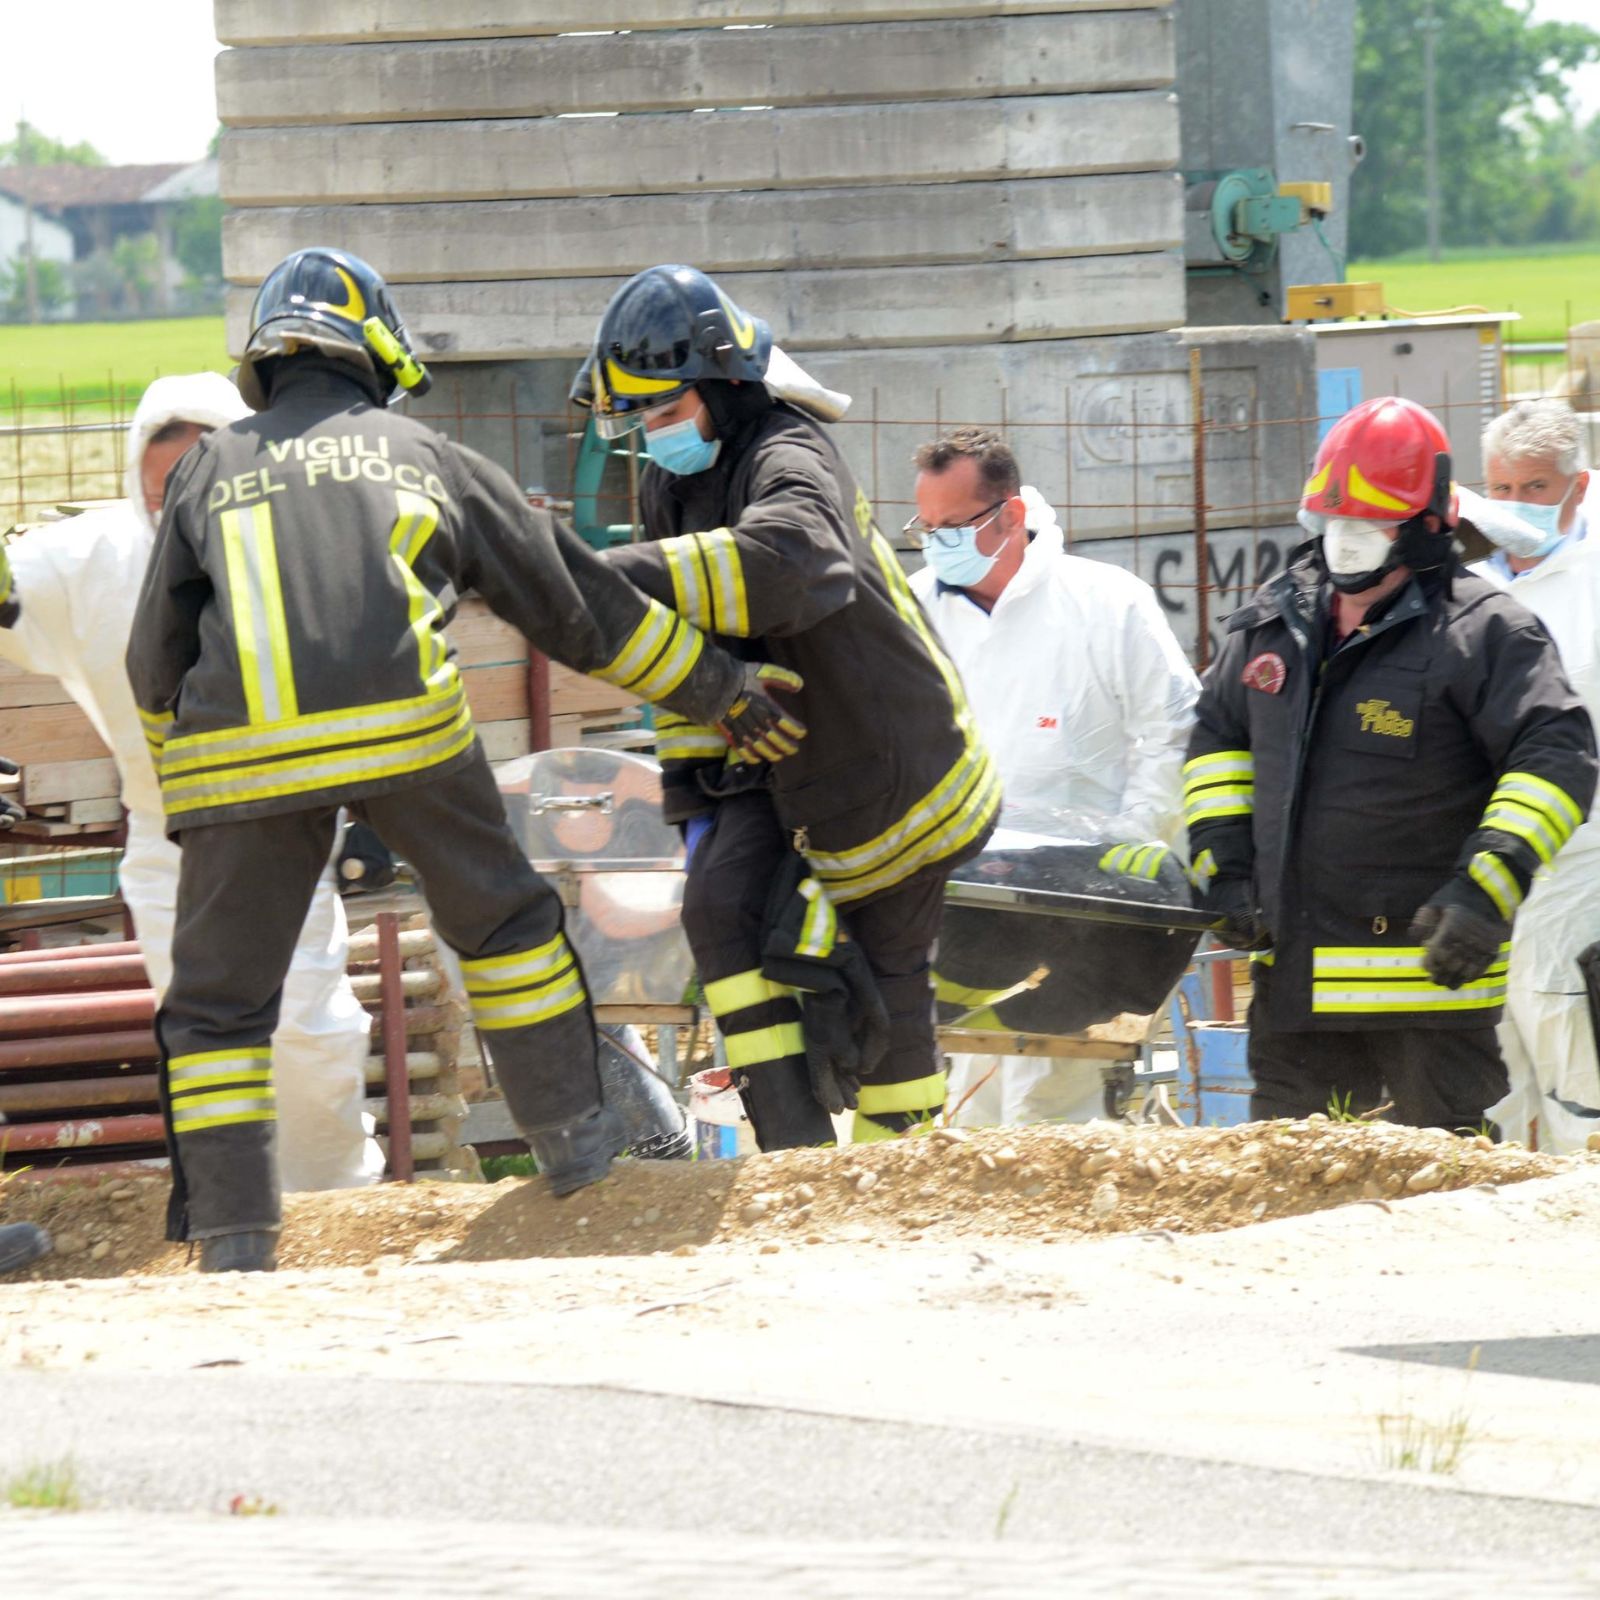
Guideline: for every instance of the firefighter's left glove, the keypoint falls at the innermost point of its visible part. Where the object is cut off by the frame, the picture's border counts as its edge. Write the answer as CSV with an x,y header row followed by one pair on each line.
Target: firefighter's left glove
x,y
10,812
755,724
1233,901
1458,943
846,1029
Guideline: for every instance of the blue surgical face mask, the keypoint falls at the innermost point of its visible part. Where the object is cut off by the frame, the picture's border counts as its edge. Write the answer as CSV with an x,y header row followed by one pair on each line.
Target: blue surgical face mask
x,y
956,559
679,449
1547,519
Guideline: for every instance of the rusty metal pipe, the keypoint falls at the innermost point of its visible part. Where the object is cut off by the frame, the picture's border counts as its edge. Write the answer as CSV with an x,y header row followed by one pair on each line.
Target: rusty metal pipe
x,y
81,1133
60,977
69,952
71,1049
131,1089
396,1080
29,1015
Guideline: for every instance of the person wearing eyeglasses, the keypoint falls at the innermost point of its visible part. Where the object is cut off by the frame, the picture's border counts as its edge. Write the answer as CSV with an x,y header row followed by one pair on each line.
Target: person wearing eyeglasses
x,y
1079,687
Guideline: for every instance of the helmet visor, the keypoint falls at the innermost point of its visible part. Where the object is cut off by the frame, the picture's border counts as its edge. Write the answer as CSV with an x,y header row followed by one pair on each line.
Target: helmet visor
x,y
617,423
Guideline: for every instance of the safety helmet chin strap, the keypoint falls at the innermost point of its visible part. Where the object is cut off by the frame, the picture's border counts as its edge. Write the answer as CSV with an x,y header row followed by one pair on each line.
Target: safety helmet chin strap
x,y
1418,546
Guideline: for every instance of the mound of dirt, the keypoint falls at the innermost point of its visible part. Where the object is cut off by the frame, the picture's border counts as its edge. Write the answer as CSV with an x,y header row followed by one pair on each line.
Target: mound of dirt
x,y
1021,1184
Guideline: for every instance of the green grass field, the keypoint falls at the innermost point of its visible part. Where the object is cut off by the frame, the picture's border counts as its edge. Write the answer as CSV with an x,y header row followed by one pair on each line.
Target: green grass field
x,y
87,358
1551,288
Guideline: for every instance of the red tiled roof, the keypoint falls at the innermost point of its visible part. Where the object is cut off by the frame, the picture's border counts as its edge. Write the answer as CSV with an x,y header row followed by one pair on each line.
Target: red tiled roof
x,y
61,187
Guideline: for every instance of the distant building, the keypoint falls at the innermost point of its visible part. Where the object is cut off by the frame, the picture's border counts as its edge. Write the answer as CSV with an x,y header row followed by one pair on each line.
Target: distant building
x,y
91,208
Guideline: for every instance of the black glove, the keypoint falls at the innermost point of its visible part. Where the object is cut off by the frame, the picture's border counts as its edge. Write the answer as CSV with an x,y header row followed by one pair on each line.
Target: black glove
x,y
10,812
755,723
1233,900
365,861
843,1019
1458,944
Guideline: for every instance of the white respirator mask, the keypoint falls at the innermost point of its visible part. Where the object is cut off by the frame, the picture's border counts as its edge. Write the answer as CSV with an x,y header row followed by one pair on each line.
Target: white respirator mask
x,y
1353,547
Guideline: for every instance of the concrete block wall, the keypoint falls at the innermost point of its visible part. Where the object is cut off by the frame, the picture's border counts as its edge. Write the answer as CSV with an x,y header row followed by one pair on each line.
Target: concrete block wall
x,y
883,180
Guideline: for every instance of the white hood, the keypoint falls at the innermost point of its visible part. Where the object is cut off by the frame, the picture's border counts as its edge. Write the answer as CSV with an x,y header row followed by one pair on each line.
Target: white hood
x,y
206,398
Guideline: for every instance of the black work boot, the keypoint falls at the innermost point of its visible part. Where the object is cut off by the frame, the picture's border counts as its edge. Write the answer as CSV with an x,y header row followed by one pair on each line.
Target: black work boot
x,y
576,1154
254,1251
21,1243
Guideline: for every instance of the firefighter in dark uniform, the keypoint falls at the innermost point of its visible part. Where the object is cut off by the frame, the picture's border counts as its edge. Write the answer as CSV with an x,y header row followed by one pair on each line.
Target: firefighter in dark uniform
x,y
757,532
289,658
1387,751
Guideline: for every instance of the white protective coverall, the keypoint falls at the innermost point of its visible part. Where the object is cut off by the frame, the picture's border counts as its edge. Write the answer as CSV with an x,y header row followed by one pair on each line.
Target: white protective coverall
x,y
78,581
1083,694
1546,1032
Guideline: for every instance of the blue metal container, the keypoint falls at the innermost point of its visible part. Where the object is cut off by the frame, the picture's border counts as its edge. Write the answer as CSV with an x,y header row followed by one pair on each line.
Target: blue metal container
x,y
1222,1095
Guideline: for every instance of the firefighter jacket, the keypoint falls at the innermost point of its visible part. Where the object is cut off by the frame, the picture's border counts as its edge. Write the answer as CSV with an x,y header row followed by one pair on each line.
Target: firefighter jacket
x,y
1438,753
775,544
289,649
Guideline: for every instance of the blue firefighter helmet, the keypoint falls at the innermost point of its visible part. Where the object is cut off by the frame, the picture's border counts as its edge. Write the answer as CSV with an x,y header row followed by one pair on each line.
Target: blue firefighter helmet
x,y
665,330
335,303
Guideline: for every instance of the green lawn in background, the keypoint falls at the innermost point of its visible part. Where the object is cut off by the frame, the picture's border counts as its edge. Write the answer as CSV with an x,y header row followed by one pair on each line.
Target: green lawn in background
x,y
1551,288
88,357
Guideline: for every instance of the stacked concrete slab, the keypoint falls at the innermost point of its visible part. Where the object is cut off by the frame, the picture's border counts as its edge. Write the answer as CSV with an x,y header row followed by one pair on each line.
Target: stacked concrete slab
x,y
958,210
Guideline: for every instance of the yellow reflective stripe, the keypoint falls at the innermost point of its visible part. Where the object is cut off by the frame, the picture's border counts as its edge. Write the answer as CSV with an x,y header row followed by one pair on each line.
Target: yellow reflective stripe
x,y
1374,496
518,968
690,596
1408,997
222,1119
1377,961
621,381
261,629
725,567
1534,790
956,994
944,802
315,729
1219,803
179,1065
682,740
1204,869
919,1094
212,1080
1508,817
1218,765
257,1095
1496,880
1221,784
1134,860
300,775
524,1010
1264,958
759,1045
1365,979
1316,484
752,988
660,653
821,925
416,519
863,1130
157,725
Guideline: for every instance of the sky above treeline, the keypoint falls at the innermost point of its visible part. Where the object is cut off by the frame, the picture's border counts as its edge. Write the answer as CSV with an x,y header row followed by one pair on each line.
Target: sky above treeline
x,y
135,81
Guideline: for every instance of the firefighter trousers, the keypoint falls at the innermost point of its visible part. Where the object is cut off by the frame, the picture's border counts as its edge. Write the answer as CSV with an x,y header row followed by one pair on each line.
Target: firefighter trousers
x,y
1435,1077
724,912
243,890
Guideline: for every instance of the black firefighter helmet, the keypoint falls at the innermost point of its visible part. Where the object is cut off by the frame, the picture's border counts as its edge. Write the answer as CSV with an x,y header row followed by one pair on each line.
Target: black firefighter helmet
x,y
666,329
333,302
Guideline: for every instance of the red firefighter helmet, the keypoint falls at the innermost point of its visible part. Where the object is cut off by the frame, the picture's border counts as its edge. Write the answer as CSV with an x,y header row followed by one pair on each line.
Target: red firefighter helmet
x,y
1382,462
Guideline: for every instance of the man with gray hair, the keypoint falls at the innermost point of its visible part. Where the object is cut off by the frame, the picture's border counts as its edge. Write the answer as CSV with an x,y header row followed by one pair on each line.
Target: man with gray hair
x,y
1536,464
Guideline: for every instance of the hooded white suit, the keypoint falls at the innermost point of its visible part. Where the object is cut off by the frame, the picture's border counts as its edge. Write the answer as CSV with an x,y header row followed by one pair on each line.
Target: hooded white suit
x,y
1082,693
78,582
1546,1033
